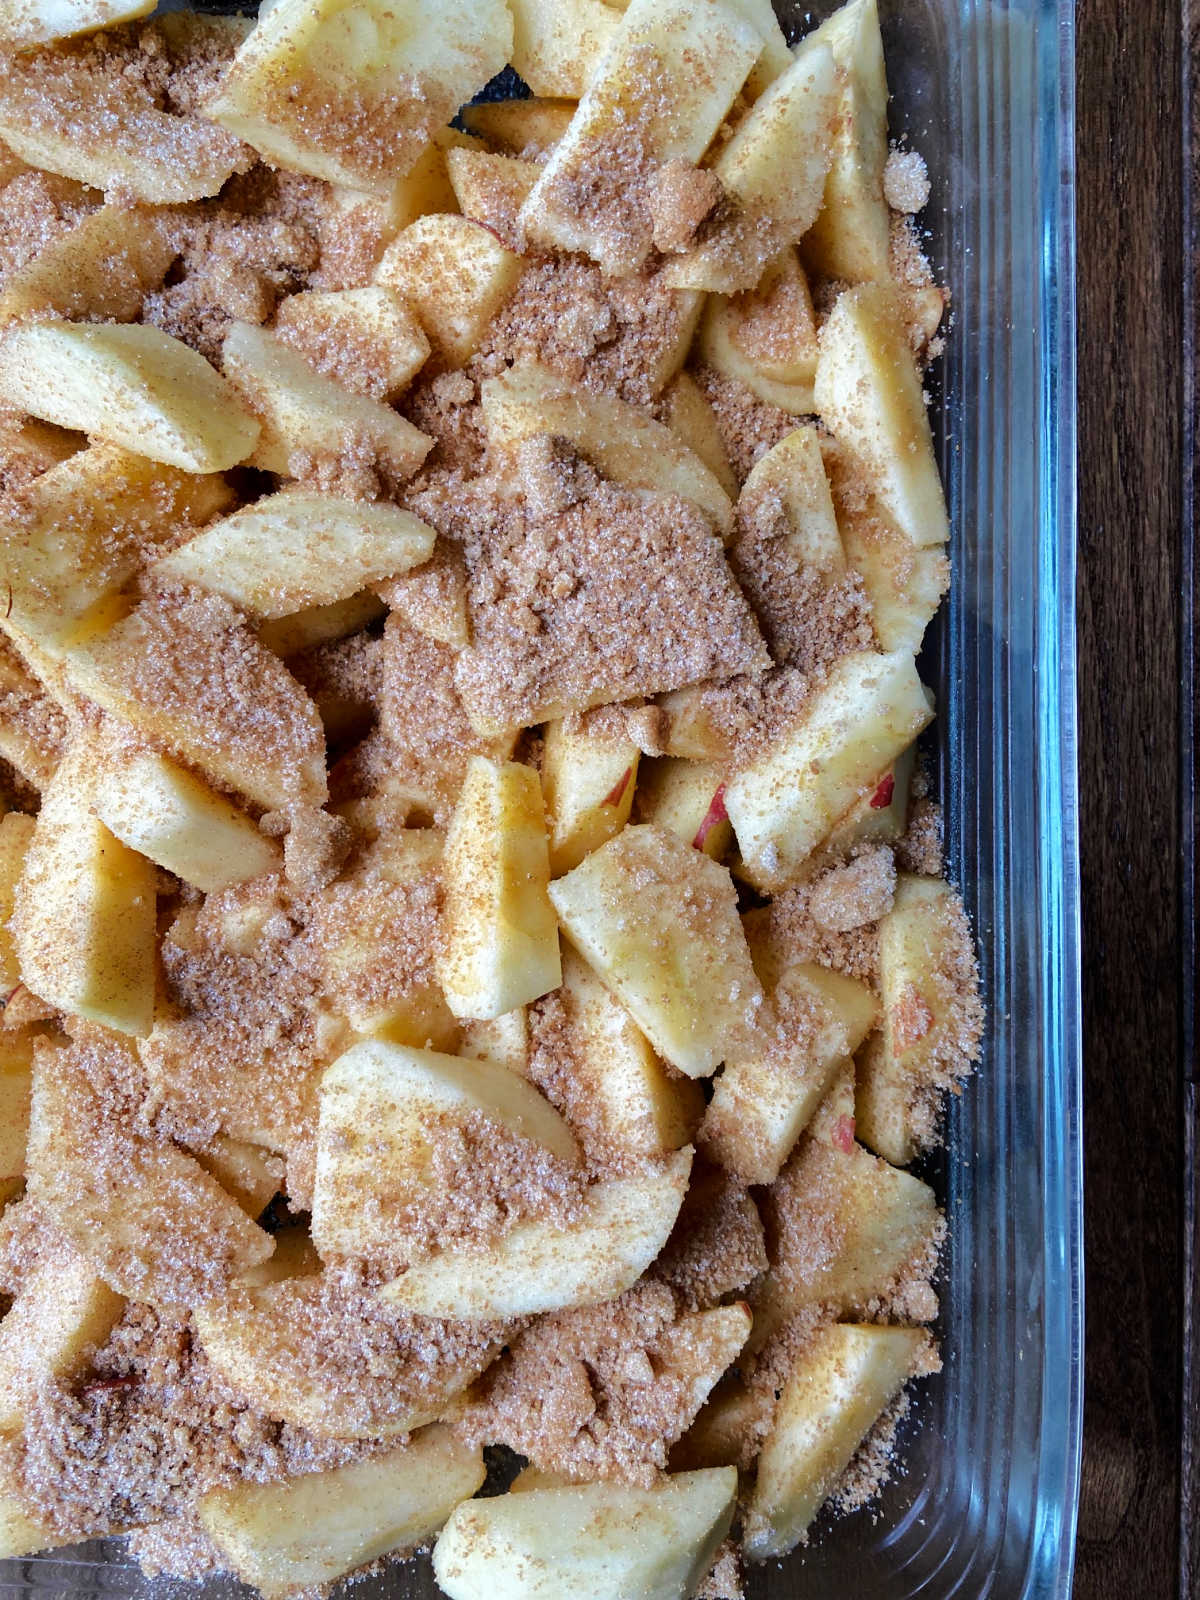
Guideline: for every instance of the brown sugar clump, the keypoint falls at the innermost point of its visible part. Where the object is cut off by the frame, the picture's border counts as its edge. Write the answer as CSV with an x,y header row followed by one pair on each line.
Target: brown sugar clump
x,y
856,893
35,209
602,1392
681,197
919,849
724,1579
789,926
716,1247
906,181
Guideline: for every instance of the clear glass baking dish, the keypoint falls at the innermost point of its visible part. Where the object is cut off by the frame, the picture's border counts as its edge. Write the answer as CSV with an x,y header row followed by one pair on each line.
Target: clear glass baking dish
x,y
985,1506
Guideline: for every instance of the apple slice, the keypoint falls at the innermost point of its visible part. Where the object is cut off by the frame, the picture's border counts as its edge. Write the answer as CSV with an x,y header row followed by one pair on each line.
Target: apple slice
x,y
47,20
85,909
367,339
16,835
540,1265
305,417
131,384
850,238
879,815
658,923
306,1532
766,337
626,126
588,781
622,440
930,1028
21,1534
144,1214
774,170
688,413
791,474
455,274
504,1040
617,1075
383,1107
252,1175
688,798
846,1376
159,809
762,1103
491,188
593,1541
870,708
101,268
314,625
353,96
61,1312
525,128
501,939
297,548
904,584
557,47
869,394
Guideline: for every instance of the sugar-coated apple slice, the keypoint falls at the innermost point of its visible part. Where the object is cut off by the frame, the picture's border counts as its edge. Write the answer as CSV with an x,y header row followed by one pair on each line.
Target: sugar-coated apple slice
x,y
16,835
774,169
27,22
593,1541
366,338
557,47
455,274
33,728
791,476
545,1266
60,1314
850,238
762,1103
766,337
784,802
627,125
381,1104
131,384
904,583
688,798
845,1377
926,966
299,548
502,1039
100,268
85,909
308,1531
525,128
303,414
869,394
621,439
880,814
688,413
491,188
353,93
161,810
657,920
642,1109
500,935
588,780
250,1173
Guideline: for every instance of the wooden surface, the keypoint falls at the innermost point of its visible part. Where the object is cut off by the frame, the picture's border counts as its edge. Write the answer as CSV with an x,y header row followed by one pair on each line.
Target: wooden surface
x,y
1131,314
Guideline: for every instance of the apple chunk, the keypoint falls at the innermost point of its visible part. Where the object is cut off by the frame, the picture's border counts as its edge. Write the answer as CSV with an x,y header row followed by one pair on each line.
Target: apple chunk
x,y
131,384
557,47
540,1265
792,476
61,1311
766,336
101,268
657,921
593,1541
354,94
501,939
589,782
455,274
46,20
297,548
308,1531
785,801
365,338
381,1105
904,583
688,797
845,1378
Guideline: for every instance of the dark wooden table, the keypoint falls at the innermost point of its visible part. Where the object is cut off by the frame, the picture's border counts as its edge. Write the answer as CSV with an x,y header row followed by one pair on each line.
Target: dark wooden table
x,y
1139,1531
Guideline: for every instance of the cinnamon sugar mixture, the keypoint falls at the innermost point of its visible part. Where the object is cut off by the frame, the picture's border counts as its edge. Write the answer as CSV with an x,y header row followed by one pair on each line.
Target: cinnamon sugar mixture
x,y
289,879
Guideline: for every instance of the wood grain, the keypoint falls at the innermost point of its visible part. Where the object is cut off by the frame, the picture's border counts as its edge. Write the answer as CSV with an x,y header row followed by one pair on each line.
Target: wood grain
x,y
1130,511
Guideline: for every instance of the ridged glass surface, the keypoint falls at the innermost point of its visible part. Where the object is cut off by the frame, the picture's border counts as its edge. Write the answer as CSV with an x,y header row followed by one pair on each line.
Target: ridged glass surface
x,y
985,1509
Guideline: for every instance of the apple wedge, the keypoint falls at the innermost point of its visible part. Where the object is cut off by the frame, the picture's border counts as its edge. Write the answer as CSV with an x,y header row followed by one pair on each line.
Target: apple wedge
x,y
869,394
588,781
306,1532
353,95
688,413
504,1040
297,548
543,1266
252,1175
766,337
314,625
762,1103
879,815
792,476
626,123
773,169
16,835
159,809
367,339
846,1376
85,910
305,417
526,128
491,188
44,21
850,238
593,1541
622,440
100,269
784,802
455,274
381,1105
557,47
687,798
131,384
904,583
657,921
500,935
61,1312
